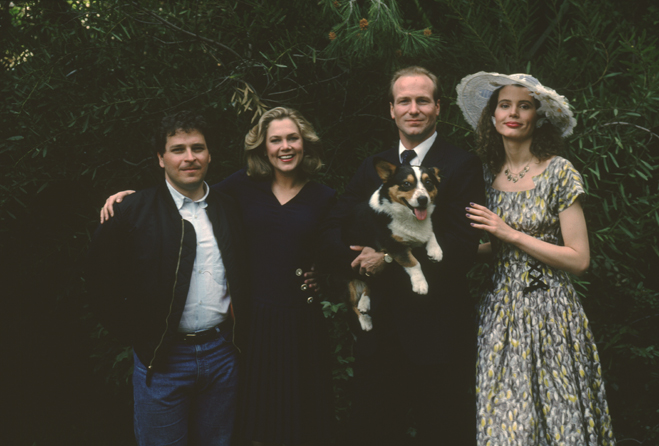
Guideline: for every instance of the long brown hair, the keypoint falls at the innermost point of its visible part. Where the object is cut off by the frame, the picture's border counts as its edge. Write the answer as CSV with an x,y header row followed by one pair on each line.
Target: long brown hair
x,y
546,142
258,165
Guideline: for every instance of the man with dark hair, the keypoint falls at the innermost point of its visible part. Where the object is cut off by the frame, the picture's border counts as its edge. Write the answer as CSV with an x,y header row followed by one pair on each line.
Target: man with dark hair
x,y
159,275
420,354
186,121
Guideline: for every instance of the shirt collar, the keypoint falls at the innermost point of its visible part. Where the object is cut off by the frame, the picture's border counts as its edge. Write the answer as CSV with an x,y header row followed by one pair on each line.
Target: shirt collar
x,y
180,199
421,150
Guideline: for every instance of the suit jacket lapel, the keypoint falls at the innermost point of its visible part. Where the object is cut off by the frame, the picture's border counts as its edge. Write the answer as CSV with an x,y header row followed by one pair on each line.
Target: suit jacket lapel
x,y
391,155
433,157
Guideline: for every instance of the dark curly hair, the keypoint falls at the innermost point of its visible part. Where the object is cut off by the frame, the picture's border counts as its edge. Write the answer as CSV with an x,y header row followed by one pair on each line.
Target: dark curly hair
x,y
258,165
547,140
186,120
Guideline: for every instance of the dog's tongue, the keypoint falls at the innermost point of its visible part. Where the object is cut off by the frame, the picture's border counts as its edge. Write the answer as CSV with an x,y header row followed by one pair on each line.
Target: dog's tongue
x,y
420,214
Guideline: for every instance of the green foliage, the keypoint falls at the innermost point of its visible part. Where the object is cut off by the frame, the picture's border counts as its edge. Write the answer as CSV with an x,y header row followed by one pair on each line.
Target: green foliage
x,y
111,360
375,33
616,149
342,355
84,82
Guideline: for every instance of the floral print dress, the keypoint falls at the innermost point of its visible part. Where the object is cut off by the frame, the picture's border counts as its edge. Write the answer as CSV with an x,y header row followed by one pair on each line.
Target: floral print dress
x,y
539,380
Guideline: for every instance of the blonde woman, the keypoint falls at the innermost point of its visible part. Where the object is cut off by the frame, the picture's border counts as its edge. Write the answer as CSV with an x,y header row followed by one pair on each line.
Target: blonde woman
x,y
287,392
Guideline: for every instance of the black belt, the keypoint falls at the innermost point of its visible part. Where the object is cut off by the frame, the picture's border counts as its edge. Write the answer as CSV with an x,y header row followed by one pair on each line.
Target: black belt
x,y
207,335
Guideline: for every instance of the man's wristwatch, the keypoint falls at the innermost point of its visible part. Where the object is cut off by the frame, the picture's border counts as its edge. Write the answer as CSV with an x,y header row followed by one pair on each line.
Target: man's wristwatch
x,y
388,258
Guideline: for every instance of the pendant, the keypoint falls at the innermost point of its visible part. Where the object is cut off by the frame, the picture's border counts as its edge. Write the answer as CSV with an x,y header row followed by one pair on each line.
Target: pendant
x,y
515,177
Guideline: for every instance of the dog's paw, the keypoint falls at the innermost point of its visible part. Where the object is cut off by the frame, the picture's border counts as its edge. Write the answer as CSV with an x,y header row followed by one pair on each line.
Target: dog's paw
x,y
435,253
364,304
420,286
366,322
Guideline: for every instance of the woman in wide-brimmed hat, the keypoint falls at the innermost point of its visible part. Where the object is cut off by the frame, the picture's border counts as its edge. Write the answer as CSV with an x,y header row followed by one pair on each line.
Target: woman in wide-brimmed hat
x,y
539,379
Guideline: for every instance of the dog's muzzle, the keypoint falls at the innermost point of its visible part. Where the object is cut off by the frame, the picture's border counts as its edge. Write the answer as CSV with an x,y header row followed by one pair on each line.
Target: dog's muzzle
x,y
420,212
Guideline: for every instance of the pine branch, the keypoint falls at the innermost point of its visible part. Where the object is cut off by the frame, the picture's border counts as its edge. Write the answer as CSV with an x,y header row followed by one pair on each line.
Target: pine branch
x,y
476,34
511,28
423,14
564,8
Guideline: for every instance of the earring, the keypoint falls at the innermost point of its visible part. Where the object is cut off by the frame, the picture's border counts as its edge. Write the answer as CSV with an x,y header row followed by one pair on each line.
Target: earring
x,y
494,121
540,122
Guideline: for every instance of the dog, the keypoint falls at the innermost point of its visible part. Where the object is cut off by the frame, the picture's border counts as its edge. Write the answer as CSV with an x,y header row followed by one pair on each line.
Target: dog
x,y
394,220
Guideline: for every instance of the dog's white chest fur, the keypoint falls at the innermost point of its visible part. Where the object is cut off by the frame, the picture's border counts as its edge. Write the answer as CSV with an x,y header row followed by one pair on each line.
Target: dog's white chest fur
x,y
408,199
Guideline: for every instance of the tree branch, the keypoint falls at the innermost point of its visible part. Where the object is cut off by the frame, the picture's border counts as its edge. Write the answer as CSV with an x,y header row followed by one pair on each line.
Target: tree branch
x,y
633,125
181,30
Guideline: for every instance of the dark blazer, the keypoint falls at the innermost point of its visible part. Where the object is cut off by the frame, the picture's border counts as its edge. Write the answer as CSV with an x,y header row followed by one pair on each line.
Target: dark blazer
x,y
140,265
438,327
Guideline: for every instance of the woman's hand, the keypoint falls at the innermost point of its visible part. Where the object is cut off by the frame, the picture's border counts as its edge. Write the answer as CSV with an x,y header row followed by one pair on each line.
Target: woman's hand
x,y
107,211
485,219
573,256
311,279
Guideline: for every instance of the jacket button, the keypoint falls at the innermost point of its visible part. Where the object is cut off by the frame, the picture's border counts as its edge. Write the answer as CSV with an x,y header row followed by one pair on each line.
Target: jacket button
x,y
304,287
298,272
310,300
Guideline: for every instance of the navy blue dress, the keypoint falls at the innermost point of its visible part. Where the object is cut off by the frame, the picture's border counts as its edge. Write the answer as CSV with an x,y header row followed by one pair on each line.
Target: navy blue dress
x,y
287,396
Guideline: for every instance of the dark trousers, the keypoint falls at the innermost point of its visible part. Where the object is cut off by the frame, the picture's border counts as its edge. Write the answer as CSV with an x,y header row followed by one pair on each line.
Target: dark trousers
x,y
397,402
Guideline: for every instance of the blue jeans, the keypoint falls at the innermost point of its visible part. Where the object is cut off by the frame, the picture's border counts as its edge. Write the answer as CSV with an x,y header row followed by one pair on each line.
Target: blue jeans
x,y
190,400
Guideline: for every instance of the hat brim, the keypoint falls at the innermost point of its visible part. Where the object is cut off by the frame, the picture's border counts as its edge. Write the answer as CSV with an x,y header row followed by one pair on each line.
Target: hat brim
x,y
475,90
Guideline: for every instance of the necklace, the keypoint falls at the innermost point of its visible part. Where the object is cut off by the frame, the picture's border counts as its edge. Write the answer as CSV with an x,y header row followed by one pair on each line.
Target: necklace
x,y
515,177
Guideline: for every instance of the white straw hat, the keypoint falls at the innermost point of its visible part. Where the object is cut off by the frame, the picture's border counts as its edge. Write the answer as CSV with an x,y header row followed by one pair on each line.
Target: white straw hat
x,y
475,90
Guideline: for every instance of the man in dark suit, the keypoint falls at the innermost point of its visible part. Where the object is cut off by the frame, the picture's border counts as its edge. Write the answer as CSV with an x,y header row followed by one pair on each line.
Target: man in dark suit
x,y
419,359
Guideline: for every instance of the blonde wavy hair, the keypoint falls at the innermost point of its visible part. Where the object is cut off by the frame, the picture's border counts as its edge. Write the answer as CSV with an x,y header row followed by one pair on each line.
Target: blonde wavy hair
x,y
258,165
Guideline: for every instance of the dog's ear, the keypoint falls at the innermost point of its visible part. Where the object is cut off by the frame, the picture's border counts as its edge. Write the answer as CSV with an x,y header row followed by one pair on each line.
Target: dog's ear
x,y
436,171
384,169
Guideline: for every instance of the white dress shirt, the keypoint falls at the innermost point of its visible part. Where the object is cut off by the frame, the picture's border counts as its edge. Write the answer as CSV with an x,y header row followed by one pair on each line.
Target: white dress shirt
x,y
208,298
421,150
